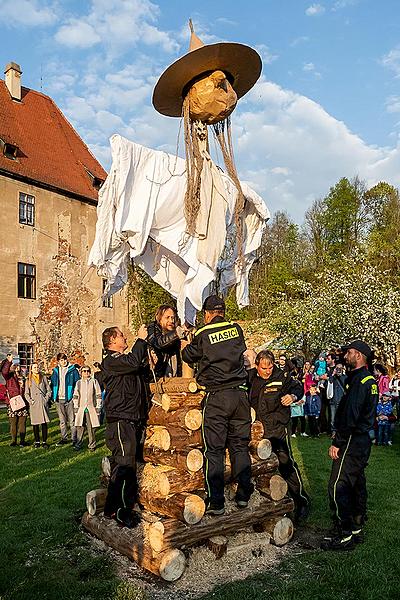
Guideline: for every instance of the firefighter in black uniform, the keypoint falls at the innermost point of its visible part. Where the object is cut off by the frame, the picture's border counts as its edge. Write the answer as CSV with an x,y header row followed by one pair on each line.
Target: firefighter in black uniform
x,y
350,450
125,405
272,391
218,348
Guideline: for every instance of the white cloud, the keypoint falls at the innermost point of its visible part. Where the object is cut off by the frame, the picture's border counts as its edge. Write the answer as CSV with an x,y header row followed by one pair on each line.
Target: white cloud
x,y
27,13
299,40
393,104
291,150
117,25
391,60
339,4
77,34
310,68
314,10
266,55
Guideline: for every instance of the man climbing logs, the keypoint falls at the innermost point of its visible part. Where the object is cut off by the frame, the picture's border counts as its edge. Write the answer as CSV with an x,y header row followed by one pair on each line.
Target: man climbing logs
x,y
218,349
350,450
272,392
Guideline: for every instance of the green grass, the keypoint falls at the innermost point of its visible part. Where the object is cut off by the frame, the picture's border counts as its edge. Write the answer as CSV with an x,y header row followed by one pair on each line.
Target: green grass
x,y
44,555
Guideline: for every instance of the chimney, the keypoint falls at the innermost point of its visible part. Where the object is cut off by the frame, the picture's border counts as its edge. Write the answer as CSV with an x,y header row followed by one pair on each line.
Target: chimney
x,y
13,80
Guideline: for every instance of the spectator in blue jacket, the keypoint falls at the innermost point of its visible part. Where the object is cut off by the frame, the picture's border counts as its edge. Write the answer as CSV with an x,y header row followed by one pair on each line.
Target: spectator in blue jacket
x,y
63,381
312,410
384,411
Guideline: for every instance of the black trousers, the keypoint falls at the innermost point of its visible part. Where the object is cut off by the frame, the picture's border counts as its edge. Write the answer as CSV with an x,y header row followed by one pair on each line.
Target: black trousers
x,y
313,423
295,421
289,469
122,489
226,424
347,488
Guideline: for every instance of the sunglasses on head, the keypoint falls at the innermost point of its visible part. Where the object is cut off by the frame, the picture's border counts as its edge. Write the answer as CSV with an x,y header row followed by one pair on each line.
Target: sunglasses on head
x,y
85,371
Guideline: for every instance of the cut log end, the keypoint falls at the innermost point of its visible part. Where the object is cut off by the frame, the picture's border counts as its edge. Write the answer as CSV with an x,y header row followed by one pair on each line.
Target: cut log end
x,y
95,500
281,530
106,466
261,449
172,565
192,387
194,509
194,460
193,419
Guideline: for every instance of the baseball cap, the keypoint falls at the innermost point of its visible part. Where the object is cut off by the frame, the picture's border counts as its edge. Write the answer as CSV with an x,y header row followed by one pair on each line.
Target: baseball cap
x,y
387,394
214,303
358,345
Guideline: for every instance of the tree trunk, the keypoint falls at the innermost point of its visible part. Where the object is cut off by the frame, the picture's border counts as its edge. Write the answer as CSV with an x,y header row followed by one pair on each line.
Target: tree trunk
x,y
186,459
171,401
257,431
280,529
188,508
158,480
186,416
170,533
169,565
95,500
257,467
260,449
218,545
175,384
172,438
187,371
271,485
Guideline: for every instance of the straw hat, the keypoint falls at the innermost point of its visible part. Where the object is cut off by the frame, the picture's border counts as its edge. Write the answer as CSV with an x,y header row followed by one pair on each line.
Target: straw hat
x,y
240,63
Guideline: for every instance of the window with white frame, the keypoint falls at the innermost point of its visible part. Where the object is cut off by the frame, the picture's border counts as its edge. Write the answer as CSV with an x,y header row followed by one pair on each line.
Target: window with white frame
x,y
26,209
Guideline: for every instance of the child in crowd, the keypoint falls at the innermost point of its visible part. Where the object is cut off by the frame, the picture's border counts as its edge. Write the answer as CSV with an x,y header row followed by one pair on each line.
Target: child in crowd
x,y
384,411
312,410
87,405
320,366
296,413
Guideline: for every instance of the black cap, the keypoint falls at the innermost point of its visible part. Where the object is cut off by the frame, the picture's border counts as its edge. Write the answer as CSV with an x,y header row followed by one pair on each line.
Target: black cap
x,y
360,346
214,303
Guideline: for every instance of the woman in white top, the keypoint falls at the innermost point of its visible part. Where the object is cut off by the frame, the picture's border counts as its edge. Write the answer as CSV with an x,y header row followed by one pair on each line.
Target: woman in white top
x,y
87,404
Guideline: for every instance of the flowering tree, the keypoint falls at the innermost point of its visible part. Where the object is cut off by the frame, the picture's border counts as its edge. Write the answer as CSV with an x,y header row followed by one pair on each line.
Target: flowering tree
x,y
350,300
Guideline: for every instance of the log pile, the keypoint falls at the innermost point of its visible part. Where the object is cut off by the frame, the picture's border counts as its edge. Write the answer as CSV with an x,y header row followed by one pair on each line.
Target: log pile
x,y
171,489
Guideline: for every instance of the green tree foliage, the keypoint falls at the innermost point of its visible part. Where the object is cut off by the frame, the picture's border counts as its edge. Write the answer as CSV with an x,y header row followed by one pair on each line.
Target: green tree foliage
x,y
383,240
144,297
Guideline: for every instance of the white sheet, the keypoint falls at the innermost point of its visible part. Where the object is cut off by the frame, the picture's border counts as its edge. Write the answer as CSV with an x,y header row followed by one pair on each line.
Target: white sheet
x,y
140,216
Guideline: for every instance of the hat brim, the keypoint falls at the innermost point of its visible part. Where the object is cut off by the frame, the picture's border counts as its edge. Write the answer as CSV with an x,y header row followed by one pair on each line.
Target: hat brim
x,y
242,63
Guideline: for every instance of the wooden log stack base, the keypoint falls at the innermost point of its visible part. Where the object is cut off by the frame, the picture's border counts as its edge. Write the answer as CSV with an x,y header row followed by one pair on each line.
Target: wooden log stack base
x,y
171,489
168,565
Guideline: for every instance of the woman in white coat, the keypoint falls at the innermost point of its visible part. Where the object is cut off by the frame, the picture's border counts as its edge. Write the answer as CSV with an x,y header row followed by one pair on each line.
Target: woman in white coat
x,y
38,394
87,405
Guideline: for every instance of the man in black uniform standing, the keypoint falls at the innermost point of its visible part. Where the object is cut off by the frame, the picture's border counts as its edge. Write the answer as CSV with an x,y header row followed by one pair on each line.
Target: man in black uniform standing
x,y
272,392
351,448
218,348
125,407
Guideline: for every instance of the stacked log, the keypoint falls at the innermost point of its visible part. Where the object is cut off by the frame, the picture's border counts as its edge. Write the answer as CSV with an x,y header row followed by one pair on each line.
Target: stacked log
x,y
171,489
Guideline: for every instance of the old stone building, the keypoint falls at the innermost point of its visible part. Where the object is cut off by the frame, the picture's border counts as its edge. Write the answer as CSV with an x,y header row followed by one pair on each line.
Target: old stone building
x,y
49,179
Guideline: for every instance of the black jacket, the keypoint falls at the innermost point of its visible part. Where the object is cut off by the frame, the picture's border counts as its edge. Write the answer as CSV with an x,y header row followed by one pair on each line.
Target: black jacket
x,y
218,348
166,346
265,398
125,390
356,411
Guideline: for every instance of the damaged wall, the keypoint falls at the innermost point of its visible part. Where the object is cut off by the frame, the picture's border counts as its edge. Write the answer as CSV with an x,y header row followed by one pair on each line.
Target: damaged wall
x,y
67,314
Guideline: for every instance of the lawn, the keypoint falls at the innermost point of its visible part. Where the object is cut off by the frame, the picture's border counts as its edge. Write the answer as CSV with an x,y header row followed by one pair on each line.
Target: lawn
x,y
45,556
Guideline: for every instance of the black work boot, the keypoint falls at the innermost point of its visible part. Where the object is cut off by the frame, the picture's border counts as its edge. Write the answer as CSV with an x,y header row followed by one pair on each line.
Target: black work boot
x,y
357,529
342,541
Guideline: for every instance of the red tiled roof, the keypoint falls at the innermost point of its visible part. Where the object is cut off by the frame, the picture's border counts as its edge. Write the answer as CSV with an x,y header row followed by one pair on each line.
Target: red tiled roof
x,y
49,149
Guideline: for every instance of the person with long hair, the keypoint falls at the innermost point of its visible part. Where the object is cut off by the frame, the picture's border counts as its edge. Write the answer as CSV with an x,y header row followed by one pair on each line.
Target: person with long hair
x,y
15,387
164,337
38,394
382,378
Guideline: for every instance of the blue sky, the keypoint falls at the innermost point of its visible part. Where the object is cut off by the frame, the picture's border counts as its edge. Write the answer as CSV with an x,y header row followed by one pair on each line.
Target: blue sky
x,y
327,104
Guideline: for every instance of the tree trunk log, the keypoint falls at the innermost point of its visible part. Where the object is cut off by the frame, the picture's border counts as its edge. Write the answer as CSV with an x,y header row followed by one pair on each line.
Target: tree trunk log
x,y
280,529
188,508
173,438
187,371
95,500
175,384
171,401
186,416
271,485
218,545
257,467
169,565
170,533
158,480
261,449
257,431
186,459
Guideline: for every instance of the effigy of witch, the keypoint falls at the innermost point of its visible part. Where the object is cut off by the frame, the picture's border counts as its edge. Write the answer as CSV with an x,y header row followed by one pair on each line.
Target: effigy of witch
x,y
203,87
